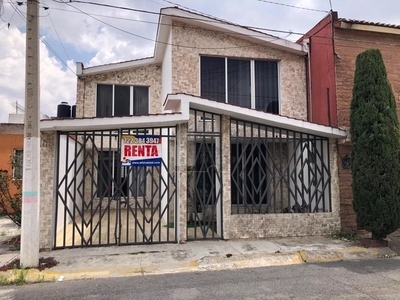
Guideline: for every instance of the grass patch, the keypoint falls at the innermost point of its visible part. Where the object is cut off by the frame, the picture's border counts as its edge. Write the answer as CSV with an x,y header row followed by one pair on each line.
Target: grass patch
x,y
44,263
347,236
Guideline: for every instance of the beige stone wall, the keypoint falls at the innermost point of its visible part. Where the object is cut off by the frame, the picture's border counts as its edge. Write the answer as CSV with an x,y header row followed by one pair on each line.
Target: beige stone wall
x,y
47,151
145,76
276,225
191,42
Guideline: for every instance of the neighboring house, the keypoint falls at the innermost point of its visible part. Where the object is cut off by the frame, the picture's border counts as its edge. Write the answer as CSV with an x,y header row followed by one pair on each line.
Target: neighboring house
x,y
207,139
11,146
333,46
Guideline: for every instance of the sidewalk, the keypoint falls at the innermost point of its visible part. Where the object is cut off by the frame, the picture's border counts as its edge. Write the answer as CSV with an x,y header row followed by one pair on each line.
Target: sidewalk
x,y
193,256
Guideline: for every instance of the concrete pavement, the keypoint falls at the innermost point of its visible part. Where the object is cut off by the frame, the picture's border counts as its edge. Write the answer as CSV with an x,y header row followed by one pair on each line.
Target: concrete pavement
x,y
192,256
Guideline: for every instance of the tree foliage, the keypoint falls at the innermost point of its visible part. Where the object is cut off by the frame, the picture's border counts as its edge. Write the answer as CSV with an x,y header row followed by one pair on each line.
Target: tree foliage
x,y
375,157
11,203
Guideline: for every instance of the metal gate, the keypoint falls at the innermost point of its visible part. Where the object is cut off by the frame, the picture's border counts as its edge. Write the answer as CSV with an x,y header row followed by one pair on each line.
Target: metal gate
x,y
104,198
204,176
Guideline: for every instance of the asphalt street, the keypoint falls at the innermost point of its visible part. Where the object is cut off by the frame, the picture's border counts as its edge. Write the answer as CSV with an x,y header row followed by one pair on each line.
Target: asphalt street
x,y
374,279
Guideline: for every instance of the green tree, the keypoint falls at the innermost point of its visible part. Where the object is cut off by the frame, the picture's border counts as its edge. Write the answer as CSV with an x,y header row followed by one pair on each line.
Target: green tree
x,y
11,203
375,157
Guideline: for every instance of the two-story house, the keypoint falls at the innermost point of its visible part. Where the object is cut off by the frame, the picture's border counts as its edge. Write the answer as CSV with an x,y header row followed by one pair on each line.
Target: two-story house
x,y
207,139
333,45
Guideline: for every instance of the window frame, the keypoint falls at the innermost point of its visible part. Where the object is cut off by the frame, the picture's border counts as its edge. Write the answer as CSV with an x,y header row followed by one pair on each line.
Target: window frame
x,y
131,98
252,62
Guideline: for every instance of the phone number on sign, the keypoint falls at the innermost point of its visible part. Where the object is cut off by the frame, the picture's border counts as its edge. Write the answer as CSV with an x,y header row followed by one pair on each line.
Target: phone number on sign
x,y
141,140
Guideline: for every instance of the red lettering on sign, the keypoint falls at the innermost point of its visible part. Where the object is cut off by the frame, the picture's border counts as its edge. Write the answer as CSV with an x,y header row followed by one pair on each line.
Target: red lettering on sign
x,y
154,150
127,150
140,151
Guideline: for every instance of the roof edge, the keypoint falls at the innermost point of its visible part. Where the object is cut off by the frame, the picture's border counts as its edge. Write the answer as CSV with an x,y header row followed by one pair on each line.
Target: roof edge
x,y
81,71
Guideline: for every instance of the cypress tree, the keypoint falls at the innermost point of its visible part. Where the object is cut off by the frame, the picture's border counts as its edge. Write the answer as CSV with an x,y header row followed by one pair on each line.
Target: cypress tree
x,y
375,157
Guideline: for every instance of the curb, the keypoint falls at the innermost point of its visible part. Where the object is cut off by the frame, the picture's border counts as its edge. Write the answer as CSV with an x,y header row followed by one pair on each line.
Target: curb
x,y
207,263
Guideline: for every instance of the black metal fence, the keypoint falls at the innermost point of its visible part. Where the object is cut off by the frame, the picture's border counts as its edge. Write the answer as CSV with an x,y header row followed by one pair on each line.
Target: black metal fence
x,y
204,197
103,200
274,170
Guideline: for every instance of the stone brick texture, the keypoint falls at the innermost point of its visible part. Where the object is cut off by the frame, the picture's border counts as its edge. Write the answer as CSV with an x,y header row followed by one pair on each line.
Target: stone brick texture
x,y
190,42
348,44
144,76
47,175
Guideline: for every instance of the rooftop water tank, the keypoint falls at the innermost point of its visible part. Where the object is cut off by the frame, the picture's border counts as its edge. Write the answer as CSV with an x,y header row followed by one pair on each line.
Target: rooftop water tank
x,y
64,110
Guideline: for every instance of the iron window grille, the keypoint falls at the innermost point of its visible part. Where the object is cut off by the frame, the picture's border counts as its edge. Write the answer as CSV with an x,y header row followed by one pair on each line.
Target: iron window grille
x,y
275,170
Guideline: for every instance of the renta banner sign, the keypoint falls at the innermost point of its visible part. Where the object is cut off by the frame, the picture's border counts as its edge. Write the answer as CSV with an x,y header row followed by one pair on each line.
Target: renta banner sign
x,y
141,150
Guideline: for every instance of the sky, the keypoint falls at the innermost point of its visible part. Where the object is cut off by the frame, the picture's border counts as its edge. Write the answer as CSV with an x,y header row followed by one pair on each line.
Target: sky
x,y
94,35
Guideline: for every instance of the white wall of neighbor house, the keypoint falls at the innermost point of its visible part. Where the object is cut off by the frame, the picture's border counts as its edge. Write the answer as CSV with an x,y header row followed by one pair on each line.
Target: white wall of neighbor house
x,y
190,42
167,69
66,160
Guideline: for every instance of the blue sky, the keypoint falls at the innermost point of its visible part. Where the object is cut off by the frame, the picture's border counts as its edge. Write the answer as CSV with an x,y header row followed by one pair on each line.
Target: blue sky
x,y
91,42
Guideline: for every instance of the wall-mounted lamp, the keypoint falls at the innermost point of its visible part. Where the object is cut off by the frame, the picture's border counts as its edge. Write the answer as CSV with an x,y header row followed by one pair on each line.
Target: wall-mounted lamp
x,y
346,162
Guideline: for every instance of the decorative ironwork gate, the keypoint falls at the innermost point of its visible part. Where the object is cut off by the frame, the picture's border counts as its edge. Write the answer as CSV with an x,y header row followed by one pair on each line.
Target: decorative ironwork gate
x,y
204,176
275,170
101,201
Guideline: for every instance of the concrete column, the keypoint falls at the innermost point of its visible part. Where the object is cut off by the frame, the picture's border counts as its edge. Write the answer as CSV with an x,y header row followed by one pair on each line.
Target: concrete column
x,y
226,175
31,164
182,182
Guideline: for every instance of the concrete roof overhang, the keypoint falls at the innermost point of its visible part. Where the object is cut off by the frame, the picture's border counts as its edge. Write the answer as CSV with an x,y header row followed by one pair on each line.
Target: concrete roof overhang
x,y
182,103
109,123
177,111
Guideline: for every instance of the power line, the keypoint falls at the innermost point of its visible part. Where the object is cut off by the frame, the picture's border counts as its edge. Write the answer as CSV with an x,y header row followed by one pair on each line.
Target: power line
x,y
41,38
65,51
293,6
211,21
160,42
261,34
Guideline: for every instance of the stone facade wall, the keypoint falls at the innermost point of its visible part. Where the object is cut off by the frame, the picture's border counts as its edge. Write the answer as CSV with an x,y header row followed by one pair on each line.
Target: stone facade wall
x,y
348,44
47,151
276,225
190,42
146,76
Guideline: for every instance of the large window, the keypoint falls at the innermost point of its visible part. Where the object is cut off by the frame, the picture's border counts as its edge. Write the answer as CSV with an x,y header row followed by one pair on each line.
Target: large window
x,y
246,83
121,100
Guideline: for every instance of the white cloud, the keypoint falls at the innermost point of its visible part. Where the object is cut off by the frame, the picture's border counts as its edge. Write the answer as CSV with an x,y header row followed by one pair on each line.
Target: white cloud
x,y
96,43
56,84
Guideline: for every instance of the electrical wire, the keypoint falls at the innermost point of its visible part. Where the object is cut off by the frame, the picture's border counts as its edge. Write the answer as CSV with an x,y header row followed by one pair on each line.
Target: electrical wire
x,y
293,6
261,34
58,36
21,15
212,21
165,43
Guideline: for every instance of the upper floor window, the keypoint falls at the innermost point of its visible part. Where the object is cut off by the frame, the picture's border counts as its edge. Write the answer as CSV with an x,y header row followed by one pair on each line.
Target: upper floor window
x,y
121,100
246,83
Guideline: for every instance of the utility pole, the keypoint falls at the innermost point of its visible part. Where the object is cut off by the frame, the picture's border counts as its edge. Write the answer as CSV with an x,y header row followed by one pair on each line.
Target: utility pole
x,y
31,163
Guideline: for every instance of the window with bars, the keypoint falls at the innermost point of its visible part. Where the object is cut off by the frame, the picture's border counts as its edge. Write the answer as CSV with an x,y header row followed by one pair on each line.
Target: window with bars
x,y
132,179
121,100
242,82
